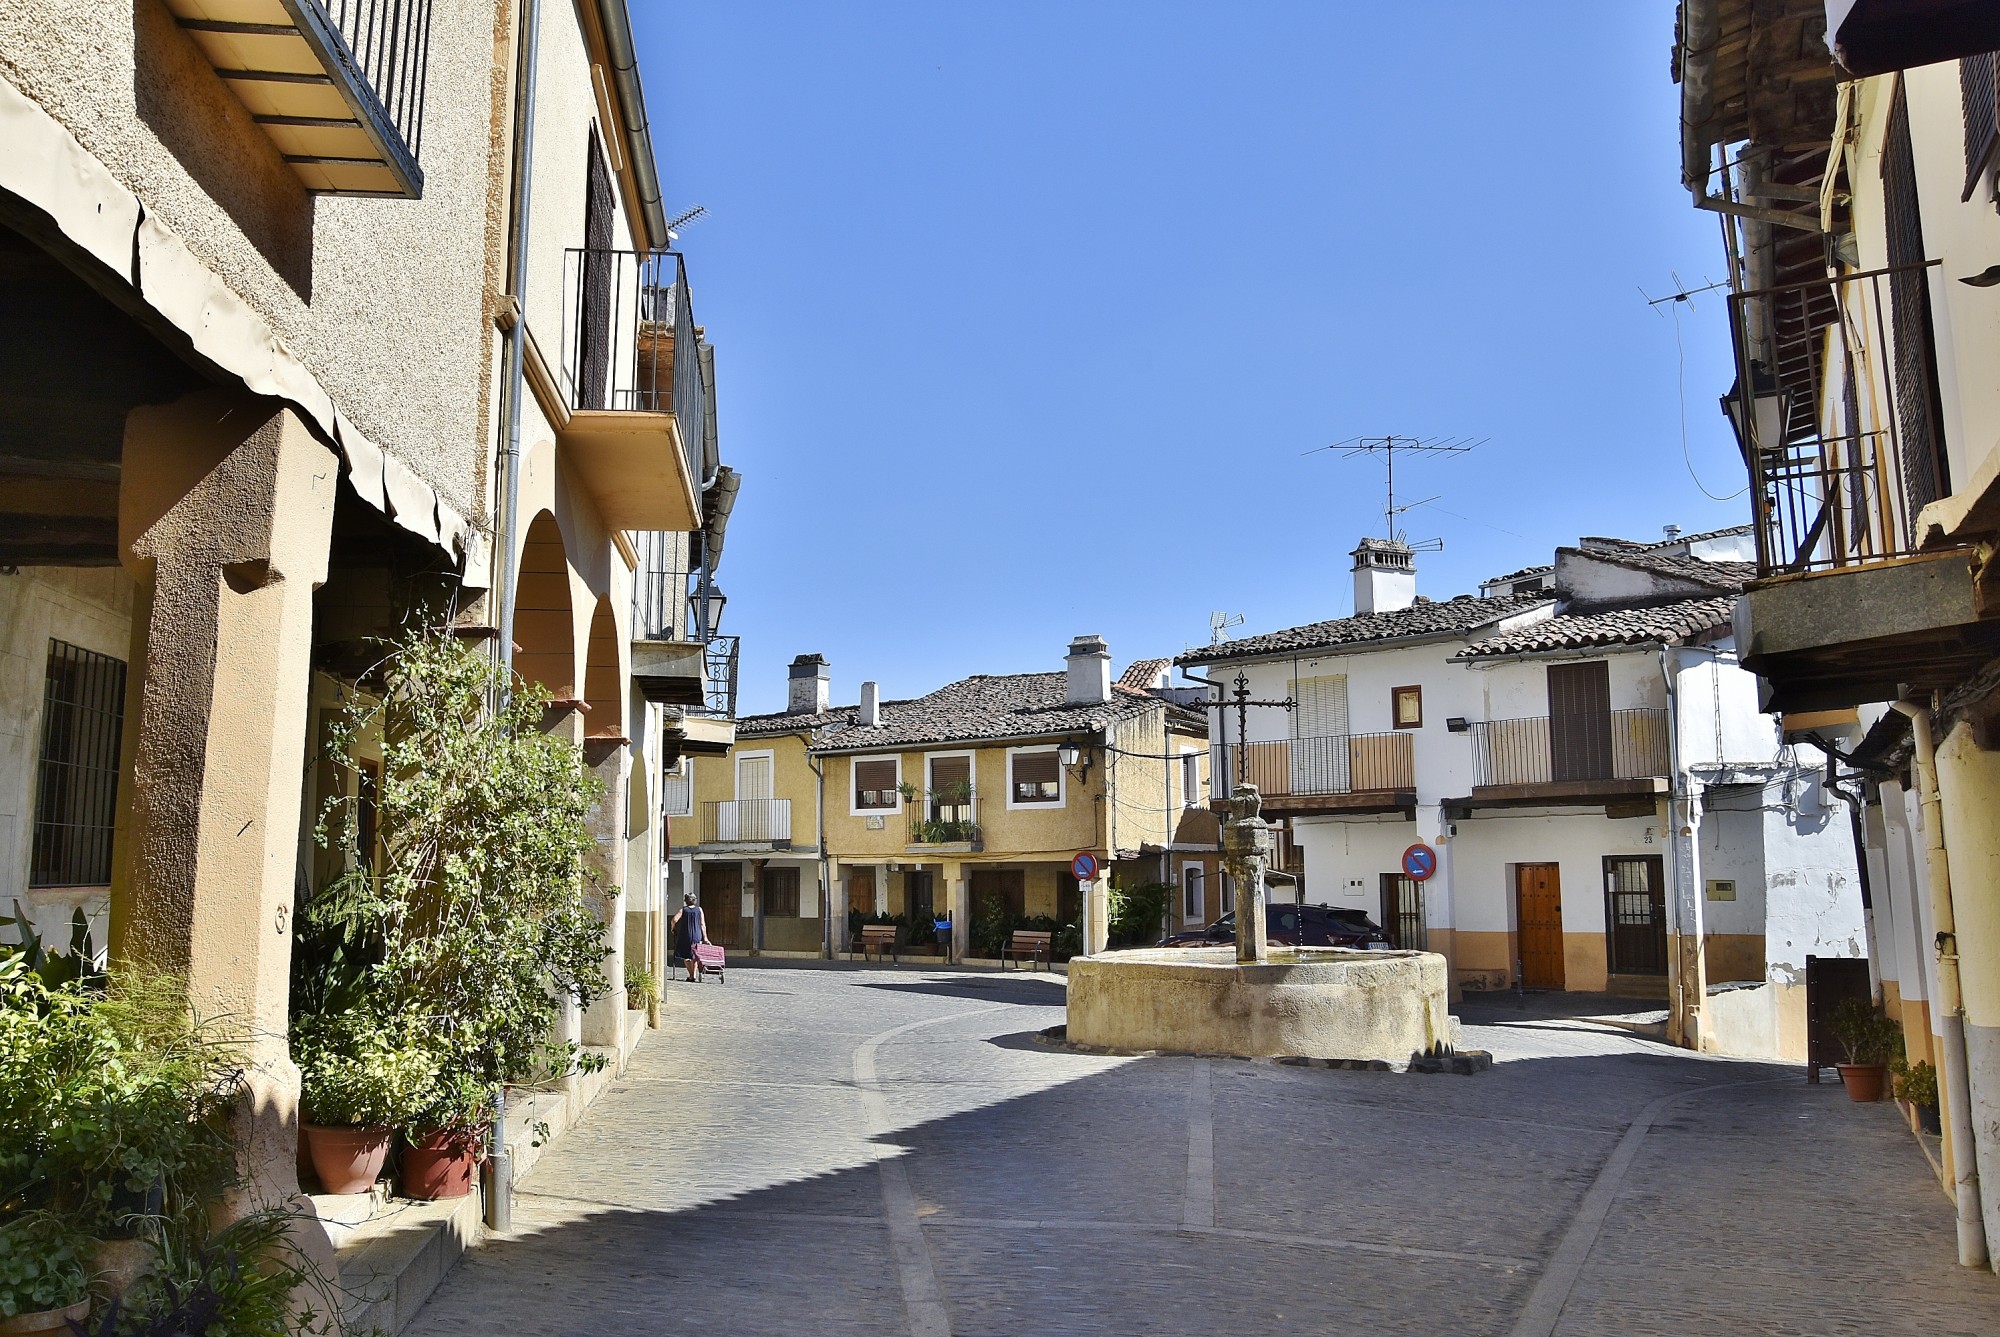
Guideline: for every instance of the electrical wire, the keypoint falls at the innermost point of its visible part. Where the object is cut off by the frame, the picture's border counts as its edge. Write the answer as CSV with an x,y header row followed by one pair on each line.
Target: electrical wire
x,y
1680,356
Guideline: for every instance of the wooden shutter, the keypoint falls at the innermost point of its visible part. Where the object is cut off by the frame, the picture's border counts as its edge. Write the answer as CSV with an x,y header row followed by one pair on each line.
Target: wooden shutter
x,y
594,323
781,893
1917,412
1580,721
875,784
949,771
753,778
1979,91
1037,777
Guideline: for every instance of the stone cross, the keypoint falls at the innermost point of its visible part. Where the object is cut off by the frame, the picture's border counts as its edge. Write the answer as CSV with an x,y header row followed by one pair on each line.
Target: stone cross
x,y
1246,849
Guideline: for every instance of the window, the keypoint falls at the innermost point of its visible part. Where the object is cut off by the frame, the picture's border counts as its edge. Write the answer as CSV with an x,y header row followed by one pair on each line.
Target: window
x,y
875,785
1191,779
781,893
677,790
76,800
1036,778
1191,894
1407,709
594,354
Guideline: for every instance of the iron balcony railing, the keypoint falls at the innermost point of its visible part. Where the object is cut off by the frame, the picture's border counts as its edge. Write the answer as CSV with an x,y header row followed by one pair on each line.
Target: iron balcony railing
x,y
388,45
660,590
1301,767
1842,435
627,318
747,821
1608,745
944,820
721,656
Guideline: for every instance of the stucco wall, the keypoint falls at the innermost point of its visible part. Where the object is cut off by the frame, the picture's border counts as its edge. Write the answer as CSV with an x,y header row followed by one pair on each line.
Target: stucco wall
x,y
381,299
87,607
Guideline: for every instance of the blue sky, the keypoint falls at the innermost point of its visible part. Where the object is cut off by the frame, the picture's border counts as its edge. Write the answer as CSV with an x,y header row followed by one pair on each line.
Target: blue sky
x,y
1027,313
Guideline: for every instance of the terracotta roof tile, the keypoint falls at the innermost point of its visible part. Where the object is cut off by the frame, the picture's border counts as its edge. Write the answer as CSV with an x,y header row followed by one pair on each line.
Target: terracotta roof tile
x,y
1459,616
1619,626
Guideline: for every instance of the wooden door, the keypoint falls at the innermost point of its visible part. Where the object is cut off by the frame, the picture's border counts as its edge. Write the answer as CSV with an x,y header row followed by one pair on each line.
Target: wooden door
x,y
861,890
722,901
1580,721
1007,885
1403,911
917,903
1069,899
1538,916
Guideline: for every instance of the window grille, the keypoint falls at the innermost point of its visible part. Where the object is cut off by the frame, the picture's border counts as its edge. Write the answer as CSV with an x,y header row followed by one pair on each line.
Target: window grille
x,y
677,791
76,801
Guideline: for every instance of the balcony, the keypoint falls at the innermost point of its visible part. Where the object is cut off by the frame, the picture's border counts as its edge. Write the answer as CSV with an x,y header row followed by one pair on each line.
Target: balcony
x,y
632,414
944,822
1844,446
338,85
747,821
1373,772
1607,756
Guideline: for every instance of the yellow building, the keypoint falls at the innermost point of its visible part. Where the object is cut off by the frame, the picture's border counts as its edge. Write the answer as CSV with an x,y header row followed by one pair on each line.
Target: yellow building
x,y
973,800
1855,170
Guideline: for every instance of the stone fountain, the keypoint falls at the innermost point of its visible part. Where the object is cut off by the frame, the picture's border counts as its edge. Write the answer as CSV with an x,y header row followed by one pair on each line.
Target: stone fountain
x,y
1253,1002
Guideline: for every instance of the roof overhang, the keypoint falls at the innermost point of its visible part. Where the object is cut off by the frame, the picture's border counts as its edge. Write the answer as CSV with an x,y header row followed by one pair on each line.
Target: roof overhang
x,y
1877,36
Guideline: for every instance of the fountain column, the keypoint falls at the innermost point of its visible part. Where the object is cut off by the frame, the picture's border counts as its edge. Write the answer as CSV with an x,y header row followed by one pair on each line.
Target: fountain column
x,y
1246,848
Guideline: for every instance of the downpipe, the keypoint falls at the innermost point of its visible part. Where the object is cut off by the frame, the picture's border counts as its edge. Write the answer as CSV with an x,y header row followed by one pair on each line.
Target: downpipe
x,y
1972,1244
499,1163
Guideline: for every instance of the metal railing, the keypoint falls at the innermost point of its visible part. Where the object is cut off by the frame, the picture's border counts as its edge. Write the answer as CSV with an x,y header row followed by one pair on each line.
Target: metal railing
x,y
627,318
1611,745
936,820
747,821
389,42
1337,764
721,657
1849,446
660,589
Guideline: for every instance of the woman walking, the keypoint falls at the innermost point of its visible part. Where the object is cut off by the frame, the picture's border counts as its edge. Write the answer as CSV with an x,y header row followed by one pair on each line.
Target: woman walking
x,y
687,929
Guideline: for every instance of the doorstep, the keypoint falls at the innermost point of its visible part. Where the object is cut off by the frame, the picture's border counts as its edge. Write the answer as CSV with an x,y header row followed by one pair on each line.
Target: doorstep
x,y
390,1264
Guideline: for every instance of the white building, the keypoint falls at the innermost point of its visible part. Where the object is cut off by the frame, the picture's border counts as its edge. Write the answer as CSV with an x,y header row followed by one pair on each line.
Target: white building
x,y
1606,806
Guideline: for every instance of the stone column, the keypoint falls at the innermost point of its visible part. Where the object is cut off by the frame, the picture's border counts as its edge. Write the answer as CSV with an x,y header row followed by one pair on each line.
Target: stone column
x,y
1246,845
225,512
565,721
1686,917
604,1020
958,893
1096,895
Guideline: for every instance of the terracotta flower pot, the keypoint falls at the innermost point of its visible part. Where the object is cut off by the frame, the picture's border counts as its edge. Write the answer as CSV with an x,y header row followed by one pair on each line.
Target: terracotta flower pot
x,y
1864,1081
440,1165
46,1320
347,1160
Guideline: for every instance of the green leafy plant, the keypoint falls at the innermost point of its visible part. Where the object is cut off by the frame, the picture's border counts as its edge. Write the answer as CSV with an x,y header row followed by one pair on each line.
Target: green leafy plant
x,y
1917,1083
1137,914
357,1070
81,964
243,1280
41,1264
642,987
483,916
1865,1033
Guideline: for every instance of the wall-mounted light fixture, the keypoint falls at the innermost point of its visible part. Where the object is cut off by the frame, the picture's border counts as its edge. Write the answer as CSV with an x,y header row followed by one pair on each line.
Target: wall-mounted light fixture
x,y
1457,724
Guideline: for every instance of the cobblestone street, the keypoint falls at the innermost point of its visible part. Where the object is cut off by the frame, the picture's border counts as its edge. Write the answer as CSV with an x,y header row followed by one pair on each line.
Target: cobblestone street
x,y
877,1151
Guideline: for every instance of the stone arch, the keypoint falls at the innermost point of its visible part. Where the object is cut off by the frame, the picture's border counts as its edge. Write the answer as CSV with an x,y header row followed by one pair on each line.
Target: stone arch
x,y
544,620
601,691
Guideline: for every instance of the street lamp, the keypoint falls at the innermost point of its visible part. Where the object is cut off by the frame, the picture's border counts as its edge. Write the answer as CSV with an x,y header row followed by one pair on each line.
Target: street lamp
x,y
1069,754
708,610
1770,409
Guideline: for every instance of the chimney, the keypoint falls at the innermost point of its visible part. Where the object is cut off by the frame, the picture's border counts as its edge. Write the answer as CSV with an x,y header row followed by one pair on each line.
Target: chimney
x,y
1089,664
808,694
1673,533
869,715
1385,576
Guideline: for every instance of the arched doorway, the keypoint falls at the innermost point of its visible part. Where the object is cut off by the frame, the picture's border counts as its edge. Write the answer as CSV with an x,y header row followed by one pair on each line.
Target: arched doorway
x,y
602,693
544,620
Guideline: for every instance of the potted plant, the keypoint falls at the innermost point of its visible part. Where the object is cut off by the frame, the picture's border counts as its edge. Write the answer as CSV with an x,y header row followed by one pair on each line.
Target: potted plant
x,y
44,1285
446,1140
1871,1041
1917,1084
358,1079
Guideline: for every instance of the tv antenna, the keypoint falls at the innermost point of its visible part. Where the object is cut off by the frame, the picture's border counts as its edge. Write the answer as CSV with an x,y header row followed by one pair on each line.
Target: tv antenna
x,y
1386,448
1681,293
1219,625
693,215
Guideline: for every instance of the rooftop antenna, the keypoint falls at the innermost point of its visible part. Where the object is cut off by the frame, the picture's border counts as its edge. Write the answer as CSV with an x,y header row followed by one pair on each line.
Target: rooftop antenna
x,y
1681,293
695,214
1219,625
1386,449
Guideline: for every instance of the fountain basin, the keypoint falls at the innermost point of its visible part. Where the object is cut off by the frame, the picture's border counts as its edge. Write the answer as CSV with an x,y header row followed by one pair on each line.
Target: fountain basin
x,y
1314,1002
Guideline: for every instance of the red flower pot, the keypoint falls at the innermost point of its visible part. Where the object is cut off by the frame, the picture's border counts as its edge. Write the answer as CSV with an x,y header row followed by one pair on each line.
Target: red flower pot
x,y
440,1165
1864,1081
347,1160
50,1321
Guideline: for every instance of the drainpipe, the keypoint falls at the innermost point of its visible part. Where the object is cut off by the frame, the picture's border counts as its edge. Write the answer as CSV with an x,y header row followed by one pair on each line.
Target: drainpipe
x,y
1951,1003
500,1169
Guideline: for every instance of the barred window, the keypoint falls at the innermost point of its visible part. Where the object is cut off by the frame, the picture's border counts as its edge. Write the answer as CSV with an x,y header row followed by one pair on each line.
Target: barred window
x,y
76,800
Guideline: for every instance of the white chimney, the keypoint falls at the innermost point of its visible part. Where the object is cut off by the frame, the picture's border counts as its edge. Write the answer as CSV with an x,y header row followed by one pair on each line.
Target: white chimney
x,y
1385,576
869,715
808,684
1089,663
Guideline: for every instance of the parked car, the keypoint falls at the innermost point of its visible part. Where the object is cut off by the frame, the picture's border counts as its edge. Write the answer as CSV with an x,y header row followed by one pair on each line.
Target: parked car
x,y
1325,926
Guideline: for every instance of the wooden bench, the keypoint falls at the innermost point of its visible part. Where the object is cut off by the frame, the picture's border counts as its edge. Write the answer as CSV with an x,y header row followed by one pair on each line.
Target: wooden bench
x,y
1030,945
878,938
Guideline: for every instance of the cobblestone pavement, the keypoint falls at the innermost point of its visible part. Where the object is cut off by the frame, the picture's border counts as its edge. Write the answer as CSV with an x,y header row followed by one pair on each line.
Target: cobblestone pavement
x,y
833,1151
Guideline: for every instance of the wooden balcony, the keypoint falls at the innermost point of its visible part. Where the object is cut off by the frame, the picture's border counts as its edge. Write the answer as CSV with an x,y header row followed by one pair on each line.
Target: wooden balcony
x,y
1356,773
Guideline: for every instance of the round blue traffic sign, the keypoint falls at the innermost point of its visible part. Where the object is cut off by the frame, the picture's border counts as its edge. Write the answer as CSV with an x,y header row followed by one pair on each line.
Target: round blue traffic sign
x,y
1084,866
1419,862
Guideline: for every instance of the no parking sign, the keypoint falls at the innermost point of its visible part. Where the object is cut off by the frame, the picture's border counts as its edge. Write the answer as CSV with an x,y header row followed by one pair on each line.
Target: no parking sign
x,y
1419,862
1084,866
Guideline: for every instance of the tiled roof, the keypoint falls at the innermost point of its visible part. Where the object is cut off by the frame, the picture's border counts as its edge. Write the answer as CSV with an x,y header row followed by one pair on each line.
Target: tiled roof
x,y
1716,575
1522,574
1142,673
1459,616
983,707
1732,532
1620,626
785,721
